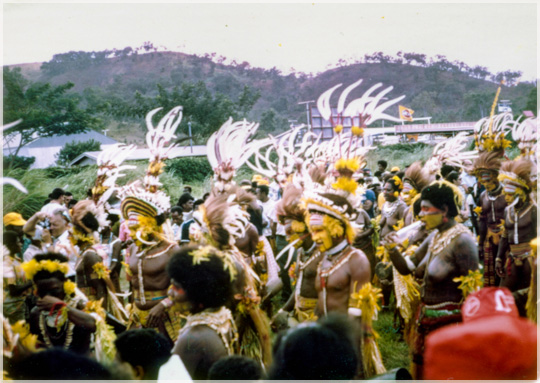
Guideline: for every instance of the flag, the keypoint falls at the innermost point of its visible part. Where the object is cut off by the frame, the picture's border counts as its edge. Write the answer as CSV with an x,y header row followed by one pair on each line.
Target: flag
x,y
405,113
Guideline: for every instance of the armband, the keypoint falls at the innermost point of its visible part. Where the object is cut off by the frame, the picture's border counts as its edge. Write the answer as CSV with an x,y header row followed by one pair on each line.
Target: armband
x,y
355,311
410,263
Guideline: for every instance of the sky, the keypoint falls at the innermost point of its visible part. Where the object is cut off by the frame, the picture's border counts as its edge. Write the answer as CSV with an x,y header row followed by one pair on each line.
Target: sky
x,y
306,36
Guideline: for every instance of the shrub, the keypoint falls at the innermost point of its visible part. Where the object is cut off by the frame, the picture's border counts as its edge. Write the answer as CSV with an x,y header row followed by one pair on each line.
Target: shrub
x,y
74,149
189,169
16,162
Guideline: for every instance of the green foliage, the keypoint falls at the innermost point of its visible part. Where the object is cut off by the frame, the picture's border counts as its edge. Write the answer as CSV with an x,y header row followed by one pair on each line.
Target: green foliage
x,y
45,110
399,155
189,169
532,103
18,162
74,149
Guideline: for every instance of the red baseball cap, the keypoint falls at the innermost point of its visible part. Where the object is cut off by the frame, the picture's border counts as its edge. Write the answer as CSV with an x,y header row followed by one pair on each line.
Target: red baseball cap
x,y
493,342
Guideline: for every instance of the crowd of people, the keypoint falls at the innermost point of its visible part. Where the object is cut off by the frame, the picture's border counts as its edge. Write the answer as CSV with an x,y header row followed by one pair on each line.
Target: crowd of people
x,y
281,276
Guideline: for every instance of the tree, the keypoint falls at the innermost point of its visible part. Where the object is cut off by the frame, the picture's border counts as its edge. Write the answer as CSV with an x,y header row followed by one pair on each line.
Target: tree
x,y
72,150
45,110
532,103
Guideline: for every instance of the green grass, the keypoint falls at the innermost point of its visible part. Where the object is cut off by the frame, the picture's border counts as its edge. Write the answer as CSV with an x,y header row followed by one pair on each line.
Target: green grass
x,y
394,350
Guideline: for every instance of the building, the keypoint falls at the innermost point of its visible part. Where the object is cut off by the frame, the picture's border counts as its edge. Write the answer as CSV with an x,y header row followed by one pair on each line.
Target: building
x,y
46,149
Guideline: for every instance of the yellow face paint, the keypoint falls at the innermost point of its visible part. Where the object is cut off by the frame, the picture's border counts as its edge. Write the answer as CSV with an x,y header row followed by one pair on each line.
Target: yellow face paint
x,y
432,220
321,237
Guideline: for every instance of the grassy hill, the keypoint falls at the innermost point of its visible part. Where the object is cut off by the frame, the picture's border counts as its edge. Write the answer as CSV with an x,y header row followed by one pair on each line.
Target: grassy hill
x,y
445,91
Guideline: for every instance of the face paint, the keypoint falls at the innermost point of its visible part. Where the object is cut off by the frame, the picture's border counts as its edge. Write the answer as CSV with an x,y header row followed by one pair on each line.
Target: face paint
x,y
408,193
431,216
322,238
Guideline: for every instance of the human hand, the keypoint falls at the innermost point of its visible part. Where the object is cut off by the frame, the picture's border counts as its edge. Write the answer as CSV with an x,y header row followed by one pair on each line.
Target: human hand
x,y
499,269
47,302
156,315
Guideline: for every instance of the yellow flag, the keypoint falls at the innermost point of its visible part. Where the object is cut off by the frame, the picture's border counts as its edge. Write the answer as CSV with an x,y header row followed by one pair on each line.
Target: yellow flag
x,y
405,113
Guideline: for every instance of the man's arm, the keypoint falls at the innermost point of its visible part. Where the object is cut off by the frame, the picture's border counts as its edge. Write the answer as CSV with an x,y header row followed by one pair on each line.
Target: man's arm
x,y
465,254
29,227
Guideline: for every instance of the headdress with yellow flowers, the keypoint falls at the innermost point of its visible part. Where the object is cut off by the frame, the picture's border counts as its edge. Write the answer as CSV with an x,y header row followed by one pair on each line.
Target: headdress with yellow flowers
x,y
145,201
489,136
338,198
32,267
228,149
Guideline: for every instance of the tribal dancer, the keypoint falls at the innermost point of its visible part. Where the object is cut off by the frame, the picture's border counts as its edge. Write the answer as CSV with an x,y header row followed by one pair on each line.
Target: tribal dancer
x,y
449,252
58,318
301,305
203,277
221,221
144,207
343,274
513,262
415,179
394,209
489,135
218,223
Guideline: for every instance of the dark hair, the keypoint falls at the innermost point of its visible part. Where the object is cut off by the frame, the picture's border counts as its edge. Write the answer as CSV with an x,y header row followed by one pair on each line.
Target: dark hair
x,y
383,163
57,193
235,367
417,206
205,196
188,188
206,283
446,170
72,203
177,209
452,176
197,203
392,182
264,189
58,364
319,351
441,195
10,239
186,197
44,274
144,347
68,193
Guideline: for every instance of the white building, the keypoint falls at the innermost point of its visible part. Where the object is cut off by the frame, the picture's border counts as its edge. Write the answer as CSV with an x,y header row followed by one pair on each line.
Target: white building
x,y
45,149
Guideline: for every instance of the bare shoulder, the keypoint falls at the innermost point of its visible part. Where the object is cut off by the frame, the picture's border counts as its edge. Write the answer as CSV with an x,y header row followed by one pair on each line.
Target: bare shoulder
x,y
465,246
199,338
359,263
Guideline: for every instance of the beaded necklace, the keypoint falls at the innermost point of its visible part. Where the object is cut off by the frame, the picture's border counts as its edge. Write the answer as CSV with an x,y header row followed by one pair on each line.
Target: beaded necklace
x,y
336,265
492,197
47,338
389,208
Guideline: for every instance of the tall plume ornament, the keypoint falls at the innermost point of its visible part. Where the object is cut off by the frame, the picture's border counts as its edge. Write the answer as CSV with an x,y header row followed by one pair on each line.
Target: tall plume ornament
x,y
346,150
157,139
8,180
490,133
228,149
292,156
450,152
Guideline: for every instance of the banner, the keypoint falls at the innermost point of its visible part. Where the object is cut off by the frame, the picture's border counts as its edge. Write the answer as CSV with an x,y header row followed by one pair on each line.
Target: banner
x,y
405,113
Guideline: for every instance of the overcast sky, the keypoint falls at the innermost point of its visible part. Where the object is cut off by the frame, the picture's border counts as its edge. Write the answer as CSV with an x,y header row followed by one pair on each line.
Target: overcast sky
x,y
305,36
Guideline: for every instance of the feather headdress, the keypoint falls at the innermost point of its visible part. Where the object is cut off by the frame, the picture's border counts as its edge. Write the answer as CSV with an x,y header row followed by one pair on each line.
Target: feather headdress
x,y
221,221
517,174
147,198
524,132
293,153
490,161
228,149
346,151
490,133
450,152
417,177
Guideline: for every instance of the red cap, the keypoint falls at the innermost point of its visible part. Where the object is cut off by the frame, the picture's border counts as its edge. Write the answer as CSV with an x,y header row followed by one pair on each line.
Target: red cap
x,y
493,342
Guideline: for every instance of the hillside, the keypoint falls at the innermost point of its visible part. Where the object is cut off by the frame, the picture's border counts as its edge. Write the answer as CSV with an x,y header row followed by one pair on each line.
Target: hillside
x,y
442,90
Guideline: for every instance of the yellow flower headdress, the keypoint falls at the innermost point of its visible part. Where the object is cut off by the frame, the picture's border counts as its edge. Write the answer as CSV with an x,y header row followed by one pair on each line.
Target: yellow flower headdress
x,y
32,267
204,253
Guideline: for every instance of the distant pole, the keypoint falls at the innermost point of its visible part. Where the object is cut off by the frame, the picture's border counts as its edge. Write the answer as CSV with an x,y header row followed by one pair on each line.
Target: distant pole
x,y
105,132
190,137
307,112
